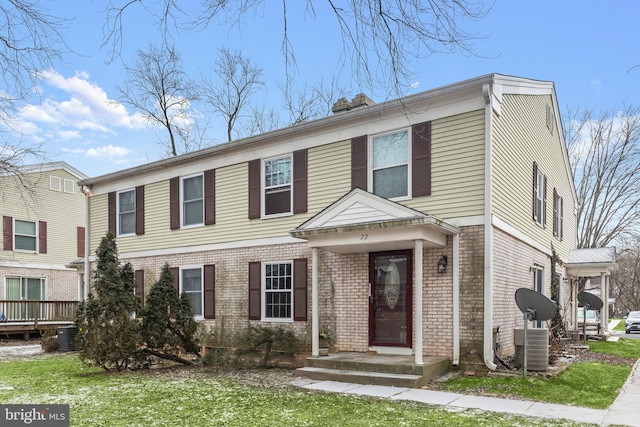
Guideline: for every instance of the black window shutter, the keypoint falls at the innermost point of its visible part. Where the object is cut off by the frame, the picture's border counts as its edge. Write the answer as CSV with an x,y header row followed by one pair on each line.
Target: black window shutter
x,y
300,181
80,234
140,287
7,233
174,203
175,274
300,289
111,198
561,225
209,291
210,197
255,290
254,189
42,237
140,210
421,159
359,162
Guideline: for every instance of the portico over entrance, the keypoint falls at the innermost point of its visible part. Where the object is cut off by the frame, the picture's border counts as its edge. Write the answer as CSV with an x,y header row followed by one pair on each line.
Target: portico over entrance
x,y
395,237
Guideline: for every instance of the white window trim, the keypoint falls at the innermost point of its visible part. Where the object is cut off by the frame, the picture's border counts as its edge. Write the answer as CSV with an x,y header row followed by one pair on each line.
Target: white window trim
x,y
71,186
194,267
409,162
43,287
54,183
37,236
263,293
558,217
182,179
263,188
118,212
540,178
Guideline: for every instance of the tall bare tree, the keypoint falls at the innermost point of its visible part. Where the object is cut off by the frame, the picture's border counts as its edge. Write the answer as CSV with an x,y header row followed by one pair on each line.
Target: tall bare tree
x,y
625,280
381,38
31,40
604,152
228,95
157,87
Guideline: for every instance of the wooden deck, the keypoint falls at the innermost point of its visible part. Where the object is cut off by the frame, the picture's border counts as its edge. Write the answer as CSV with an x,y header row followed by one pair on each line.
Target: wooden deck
x,y
27,316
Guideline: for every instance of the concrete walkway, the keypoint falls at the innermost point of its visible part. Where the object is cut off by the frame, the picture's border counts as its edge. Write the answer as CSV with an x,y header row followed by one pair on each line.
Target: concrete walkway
x,y
623,412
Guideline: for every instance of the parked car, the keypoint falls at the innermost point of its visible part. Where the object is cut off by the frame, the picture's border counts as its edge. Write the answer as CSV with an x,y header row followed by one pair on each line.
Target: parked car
x,y
632,323
591,318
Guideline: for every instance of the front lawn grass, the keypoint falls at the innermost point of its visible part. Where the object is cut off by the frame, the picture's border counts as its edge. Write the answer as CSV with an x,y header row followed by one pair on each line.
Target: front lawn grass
x,y
587,384
197,397
620,326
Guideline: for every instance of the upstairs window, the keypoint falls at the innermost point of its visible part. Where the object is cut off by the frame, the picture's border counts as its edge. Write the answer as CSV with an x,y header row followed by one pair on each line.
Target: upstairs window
x,y
54,183
557,214
25,236
539,196
126,212
69,186
390,169
192,200
277,186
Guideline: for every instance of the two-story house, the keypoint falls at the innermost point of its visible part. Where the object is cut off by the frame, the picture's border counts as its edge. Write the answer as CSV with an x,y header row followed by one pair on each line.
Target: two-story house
x,y
43,230
403,227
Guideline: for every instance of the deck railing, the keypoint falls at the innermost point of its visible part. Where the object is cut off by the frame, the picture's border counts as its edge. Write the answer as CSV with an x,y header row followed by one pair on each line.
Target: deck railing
x,y
38,311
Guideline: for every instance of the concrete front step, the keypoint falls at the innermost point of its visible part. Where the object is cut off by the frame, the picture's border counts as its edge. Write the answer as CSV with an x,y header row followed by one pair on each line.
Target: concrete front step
x,y
361,377
374,369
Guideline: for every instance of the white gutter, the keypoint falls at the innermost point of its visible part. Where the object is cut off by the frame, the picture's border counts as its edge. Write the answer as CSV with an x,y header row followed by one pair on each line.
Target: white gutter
x,y
456,300
488,350
85,190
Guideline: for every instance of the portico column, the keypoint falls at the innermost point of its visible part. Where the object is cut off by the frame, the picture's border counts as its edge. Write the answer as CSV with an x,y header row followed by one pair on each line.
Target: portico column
x,y
604,293
417,301
315,321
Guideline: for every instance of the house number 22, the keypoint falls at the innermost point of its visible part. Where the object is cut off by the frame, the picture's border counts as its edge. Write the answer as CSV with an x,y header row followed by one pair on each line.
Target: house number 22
x,y
364,237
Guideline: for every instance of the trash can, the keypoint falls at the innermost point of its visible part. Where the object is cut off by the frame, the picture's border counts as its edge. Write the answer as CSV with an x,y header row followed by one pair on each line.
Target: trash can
x,y
67,337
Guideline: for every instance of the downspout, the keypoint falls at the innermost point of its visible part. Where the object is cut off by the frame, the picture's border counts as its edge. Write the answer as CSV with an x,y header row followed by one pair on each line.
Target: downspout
x,y
488,350
315,321
87,192
456,301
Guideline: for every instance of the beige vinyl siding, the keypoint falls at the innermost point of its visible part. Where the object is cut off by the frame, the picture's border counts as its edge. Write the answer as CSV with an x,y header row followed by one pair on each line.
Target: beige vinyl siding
x,y
521,138
62,211
457,167
328,179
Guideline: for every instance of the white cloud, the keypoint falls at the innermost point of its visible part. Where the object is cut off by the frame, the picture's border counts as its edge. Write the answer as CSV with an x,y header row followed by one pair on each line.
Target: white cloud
x,y
110,152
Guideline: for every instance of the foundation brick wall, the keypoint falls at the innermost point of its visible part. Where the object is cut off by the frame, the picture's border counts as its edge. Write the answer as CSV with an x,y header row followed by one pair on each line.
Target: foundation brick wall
x,y
60,285
232,286
513,260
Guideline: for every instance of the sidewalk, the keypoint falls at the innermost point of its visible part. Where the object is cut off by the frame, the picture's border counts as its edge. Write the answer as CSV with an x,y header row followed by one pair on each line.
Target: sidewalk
x,y
623,412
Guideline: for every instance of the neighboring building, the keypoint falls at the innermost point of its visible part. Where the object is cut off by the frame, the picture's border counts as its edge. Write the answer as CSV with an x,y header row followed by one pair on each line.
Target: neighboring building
x,y
403,227
43,227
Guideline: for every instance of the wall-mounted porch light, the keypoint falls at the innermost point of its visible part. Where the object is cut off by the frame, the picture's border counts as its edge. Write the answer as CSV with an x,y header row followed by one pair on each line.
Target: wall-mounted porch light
x,y
442,264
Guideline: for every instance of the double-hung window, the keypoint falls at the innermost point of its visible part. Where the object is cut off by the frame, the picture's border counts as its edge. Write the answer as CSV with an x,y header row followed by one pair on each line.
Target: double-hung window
x,y
278,185
390,165
539,195
538,284
126,212
192,200
25,236
557,215
278,291
191,285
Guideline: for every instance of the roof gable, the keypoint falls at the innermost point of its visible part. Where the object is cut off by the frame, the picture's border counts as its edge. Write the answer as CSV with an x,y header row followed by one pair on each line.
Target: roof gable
x,y
358,207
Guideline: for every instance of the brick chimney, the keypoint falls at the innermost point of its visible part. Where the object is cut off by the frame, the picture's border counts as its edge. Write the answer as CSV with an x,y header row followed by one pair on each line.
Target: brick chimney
x,y
360,100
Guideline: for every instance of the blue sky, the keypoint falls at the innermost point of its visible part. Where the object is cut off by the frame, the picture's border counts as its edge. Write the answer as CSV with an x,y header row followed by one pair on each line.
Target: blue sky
x,y
588,48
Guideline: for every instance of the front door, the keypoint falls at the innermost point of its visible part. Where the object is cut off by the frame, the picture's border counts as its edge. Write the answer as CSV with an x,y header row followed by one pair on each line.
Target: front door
x,y
390,298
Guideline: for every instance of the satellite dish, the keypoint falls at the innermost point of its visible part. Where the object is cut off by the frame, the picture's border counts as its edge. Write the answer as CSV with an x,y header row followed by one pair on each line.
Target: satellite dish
x,y
535,305
592,302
